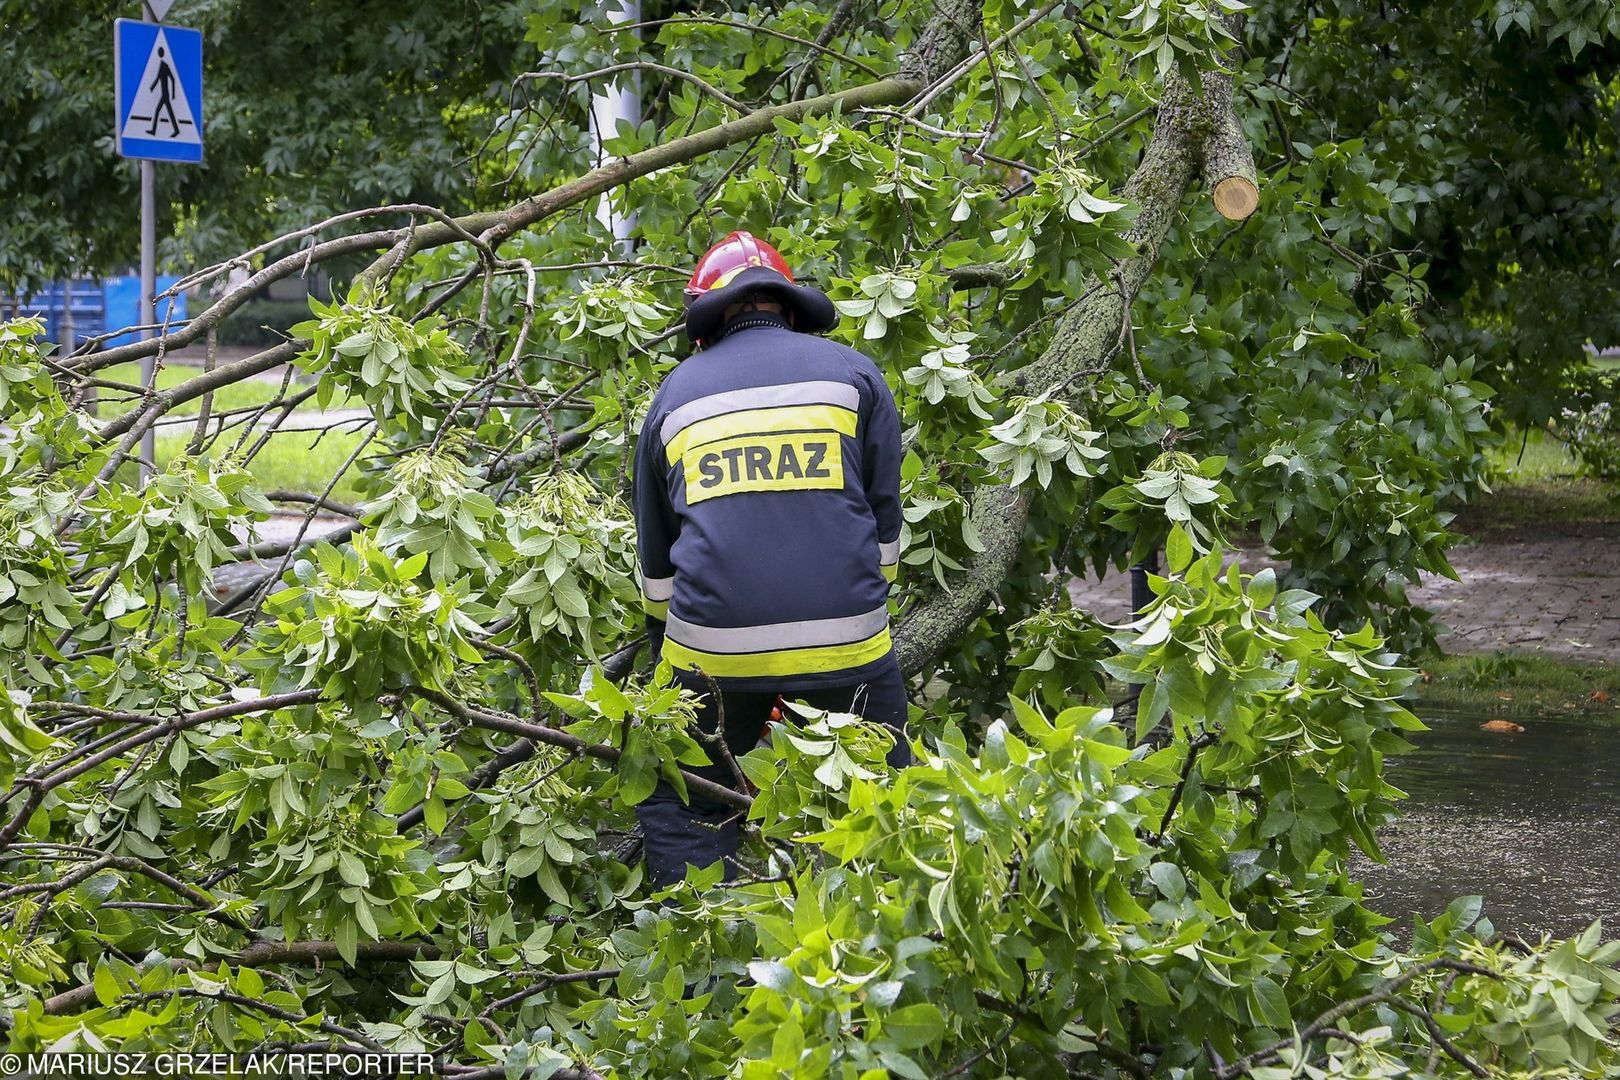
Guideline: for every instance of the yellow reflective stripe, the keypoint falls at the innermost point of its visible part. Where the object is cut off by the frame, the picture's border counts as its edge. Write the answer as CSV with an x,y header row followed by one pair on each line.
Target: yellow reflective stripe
x,y
780,662
890,572
813,392
761,421
658,609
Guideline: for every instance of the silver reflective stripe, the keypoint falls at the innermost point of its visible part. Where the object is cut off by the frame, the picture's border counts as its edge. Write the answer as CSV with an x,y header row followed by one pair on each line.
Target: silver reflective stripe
x,y
787,635
889,553
821,392
658,588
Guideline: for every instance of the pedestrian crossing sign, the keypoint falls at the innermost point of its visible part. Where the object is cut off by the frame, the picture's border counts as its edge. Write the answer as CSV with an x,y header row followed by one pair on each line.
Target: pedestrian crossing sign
x,y
158,73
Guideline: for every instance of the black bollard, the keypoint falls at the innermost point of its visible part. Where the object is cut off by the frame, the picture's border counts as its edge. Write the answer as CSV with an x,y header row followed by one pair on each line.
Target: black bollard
x,y
1141,597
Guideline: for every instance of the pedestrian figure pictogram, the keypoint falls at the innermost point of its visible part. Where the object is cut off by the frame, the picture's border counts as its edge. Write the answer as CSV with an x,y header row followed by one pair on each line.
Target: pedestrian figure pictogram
x,y
159,81
164,85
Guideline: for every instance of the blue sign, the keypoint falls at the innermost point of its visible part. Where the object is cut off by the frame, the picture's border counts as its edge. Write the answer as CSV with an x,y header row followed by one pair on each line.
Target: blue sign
x,y
158,71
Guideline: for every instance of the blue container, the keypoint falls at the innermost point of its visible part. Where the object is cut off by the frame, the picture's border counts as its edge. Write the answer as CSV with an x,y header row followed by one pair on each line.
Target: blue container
x,y
110,304
121,307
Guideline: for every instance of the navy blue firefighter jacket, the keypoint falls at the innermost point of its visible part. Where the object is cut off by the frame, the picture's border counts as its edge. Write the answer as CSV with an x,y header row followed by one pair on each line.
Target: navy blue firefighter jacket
x,y
767,503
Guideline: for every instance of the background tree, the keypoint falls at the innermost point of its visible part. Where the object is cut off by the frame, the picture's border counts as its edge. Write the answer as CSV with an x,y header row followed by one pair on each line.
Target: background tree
x,y
1504,121
312,109
401,782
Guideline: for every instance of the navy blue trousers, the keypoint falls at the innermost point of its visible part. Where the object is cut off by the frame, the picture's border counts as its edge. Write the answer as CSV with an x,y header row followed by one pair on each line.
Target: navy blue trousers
x,y
703,832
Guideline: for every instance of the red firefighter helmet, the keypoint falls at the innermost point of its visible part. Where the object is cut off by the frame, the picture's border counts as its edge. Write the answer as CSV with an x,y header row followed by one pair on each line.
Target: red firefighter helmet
x,y
738,266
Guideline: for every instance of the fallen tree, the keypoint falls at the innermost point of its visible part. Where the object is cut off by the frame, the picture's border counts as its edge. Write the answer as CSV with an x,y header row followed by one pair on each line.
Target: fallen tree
x,y
374,791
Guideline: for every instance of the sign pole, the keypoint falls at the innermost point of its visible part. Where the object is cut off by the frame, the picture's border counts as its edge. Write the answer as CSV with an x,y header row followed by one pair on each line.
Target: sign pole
x,y
148,287
157,77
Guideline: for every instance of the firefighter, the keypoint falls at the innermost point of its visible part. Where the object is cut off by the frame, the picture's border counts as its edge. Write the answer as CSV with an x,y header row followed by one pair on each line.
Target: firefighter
x,y
767,504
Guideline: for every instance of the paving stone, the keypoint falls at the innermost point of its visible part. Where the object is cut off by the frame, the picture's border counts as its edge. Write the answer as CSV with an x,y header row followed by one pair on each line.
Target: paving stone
x,y
1552,590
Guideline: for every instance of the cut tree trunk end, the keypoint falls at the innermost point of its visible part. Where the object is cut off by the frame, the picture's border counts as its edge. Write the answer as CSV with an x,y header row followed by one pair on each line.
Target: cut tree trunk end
x,y
1229,168
1236,197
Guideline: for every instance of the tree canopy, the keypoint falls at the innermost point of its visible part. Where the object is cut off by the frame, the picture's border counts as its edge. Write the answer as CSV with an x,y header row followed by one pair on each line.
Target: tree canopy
x,y
374,791
1504,122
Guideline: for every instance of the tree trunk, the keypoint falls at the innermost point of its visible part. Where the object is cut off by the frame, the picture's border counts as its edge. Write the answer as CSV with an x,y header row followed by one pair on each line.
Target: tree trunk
x,y
1193,132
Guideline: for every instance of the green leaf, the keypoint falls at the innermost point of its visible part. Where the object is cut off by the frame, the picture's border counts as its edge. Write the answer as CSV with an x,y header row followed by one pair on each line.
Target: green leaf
x,y
1270,1003
440,989
346,940
772,974
1263,588
1178,550
250,983
1170,881
106,985
352,870
434,814
914,1026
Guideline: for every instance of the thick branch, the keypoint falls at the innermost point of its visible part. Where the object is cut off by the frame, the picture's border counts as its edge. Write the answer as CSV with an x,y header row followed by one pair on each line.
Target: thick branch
x,y
999,513
511,725
946,39
1085,341
1229,172
1086,337
270,952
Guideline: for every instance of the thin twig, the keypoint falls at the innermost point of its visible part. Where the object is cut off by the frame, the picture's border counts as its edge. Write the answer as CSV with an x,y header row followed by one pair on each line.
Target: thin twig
x,y
752,28
642,65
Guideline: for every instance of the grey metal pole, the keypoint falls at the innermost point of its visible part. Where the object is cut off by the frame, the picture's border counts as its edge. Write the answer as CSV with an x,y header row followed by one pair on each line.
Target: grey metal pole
x,y
620,101
148,287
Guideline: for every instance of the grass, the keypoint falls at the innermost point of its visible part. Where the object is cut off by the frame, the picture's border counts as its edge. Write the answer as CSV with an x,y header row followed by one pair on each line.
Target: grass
x,y
1520,684
245,394
1532,457
293,461
1535,481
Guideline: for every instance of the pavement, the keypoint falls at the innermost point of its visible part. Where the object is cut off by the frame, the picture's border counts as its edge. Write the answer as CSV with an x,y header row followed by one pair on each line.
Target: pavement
x,y
1553,590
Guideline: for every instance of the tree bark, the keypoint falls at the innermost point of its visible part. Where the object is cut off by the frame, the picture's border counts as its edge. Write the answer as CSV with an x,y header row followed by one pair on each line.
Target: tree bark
x,y
946,39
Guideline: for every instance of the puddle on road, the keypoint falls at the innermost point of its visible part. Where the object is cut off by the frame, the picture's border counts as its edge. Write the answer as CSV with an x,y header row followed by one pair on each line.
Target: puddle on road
x,y
1529,821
